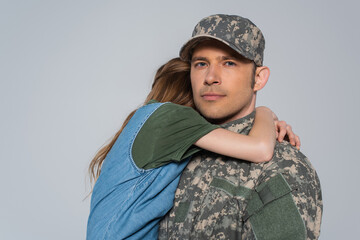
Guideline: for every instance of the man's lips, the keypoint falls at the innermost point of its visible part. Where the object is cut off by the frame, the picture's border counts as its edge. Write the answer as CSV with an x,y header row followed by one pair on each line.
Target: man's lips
x,y
212,96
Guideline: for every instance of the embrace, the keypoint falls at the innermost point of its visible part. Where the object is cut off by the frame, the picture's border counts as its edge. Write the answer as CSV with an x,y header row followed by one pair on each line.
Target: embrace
x,y
199,160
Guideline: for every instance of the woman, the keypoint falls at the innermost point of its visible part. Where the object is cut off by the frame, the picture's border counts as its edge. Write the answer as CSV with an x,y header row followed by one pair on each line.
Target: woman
x,y
138,171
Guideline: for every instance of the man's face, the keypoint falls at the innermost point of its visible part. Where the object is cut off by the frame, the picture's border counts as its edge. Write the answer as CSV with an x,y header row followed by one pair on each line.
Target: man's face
x,y
221,82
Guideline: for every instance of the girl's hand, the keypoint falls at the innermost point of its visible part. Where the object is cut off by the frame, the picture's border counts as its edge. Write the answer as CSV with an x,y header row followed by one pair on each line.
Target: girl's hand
x,y
284,131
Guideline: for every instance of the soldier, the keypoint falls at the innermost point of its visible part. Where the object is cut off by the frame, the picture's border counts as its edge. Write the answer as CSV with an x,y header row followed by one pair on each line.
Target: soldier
x,y
220,197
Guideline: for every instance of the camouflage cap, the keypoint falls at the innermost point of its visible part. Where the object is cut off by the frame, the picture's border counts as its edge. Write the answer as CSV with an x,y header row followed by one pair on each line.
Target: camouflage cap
x,y
236,32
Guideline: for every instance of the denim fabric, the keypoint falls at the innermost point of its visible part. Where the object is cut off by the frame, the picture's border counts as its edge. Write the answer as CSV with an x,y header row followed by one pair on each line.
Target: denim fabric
x,y
128,202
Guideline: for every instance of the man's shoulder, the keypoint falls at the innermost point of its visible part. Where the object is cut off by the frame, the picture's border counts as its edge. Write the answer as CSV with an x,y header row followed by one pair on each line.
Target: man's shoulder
x,y
285,151
287,156
292,163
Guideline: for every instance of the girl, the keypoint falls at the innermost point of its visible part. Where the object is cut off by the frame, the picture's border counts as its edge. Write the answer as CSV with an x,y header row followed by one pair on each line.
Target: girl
x,y
137,173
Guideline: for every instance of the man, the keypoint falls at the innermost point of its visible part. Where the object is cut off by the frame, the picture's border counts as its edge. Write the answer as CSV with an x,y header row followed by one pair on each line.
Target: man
x,y
223,198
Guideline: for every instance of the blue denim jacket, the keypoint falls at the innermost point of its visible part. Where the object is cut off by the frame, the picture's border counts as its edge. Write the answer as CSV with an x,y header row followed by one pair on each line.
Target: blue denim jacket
x,y
128,202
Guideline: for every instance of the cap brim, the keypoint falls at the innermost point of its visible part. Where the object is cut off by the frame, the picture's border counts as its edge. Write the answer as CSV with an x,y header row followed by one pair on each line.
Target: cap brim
x,y
187,49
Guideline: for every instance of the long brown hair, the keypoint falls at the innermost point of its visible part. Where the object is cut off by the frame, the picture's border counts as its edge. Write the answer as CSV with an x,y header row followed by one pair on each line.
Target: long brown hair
x,y
171,84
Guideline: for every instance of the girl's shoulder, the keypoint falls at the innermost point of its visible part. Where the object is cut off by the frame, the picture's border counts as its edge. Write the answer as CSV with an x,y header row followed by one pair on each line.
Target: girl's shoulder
x,y
169,106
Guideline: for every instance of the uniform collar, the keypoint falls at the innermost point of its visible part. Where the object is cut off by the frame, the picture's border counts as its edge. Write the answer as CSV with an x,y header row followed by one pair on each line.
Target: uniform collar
x,y
241,125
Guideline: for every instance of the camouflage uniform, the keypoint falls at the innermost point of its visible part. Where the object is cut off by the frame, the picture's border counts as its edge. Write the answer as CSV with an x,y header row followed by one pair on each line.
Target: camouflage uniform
x,y
219,197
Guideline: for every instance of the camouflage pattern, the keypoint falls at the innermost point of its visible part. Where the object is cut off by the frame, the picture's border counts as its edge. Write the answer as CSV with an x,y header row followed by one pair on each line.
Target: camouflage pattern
x,y
213,213
237,32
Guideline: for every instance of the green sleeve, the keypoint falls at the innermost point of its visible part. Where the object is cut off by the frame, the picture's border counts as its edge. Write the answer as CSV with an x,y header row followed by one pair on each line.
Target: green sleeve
x,y
168,135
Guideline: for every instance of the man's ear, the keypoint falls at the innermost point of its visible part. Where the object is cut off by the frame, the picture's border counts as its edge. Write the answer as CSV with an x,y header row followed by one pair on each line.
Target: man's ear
x,y
261,77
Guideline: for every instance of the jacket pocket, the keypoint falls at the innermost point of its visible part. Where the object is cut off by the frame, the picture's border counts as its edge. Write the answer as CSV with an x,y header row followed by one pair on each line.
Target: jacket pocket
x,y
272,212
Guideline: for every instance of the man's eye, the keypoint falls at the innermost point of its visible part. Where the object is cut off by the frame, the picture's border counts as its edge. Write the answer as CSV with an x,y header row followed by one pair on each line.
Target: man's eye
x,y
230,63
200,64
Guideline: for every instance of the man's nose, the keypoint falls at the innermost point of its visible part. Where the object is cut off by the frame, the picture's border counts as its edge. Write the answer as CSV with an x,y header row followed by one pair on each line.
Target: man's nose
x,y
213,76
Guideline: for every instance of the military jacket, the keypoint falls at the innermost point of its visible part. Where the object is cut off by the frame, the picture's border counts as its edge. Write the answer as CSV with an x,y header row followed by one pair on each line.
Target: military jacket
x,y
219,197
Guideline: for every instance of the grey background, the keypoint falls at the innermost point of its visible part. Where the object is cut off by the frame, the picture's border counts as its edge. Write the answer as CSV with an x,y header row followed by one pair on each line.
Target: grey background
x,y
71,71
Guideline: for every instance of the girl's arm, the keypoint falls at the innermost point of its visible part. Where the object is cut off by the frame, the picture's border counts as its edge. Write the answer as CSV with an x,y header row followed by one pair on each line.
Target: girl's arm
x,y
257,147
